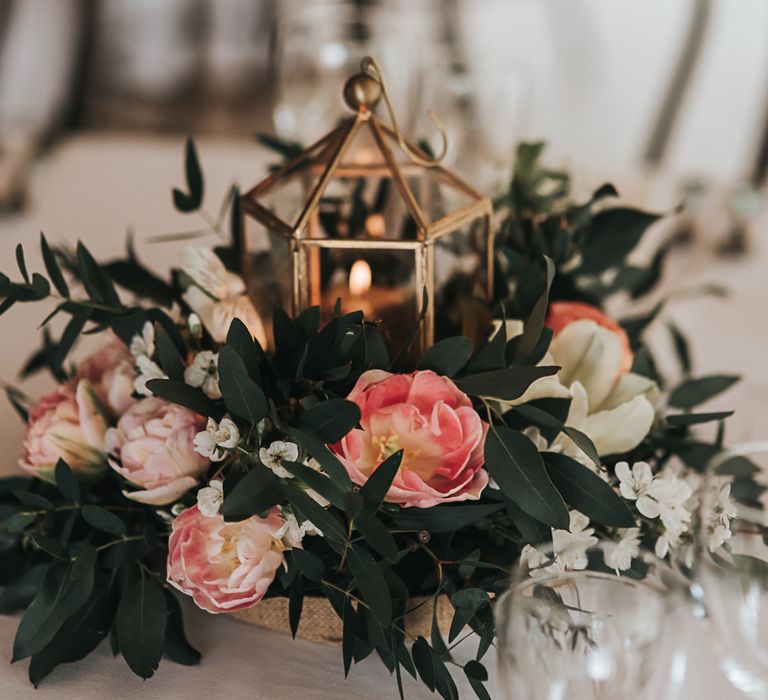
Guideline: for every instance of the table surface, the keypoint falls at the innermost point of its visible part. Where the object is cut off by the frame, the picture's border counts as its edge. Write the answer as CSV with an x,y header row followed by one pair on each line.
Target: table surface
x,y
94,188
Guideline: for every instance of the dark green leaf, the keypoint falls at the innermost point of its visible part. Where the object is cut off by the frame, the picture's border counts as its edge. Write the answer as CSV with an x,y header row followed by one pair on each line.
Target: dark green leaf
x,y
21,592
34,500
71,333
532,531
610,236
141,623
475,671
102,519
423,660
255,493
295,605
587,492
505,384
318,482
681,348
67,482
49,546
65,589
693,392
375,490
185,395
684,419
97,283
448,356
170,360
516,465
370,582
376,535
242,396
78,637
309,564
18,521
239,338
177,647
52,267
448,518
21,262
329,421
327,522
330,464
534,324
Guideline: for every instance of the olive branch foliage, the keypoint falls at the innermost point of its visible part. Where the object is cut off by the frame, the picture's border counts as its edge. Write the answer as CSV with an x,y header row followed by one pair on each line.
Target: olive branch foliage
x,y
87,564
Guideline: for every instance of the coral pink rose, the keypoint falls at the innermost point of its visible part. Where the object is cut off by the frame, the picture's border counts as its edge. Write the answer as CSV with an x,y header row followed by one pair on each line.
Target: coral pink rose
x,y
68,425
432,421
563,313
110,371
224,566
153,447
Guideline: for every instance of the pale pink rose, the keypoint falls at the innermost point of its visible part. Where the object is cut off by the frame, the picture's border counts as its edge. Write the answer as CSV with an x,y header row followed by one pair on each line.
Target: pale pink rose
x,y
432,421
65,424
153,447
224,566
110,371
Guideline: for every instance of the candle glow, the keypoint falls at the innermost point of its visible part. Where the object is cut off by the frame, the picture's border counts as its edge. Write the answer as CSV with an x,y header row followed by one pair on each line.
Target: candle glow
x,y
360,278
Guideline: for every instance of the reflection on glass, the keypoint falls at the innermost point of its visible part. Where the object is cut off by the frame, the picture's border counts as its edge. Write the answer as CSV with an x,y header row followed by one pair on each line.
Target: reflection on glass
x,y
589,633
732,565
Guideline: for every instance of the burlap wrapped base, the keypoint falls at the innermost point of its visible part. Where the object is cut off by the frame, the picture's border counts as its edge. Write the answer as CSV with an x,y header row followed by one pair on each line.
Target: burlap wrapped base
x,y
319,622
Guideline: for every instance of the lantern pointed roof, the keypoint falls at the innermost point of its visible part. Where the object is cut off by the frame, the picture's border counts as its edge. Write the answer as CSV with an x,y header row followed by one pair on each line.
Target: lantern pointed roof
x,y
363,146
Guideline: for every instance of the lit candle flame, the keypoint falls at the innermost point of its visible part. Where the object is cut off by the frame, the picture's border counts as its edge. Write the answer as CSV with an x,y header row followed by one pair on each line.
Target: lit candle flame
x,y
359,278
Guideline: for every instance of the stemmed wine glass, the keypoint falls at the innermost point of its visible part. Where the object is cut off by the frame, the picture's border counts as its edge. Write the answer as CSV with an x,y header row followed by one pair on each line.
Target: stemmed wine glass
x,y
731,567
589,633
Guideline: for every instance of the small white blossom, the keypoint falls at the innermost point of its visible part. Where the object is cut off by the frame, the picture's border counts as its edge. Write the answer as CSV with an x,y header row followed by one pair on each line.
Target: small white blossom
x,y
210,498
146,369
718,513
144,343
571,545
216,439
204,373
634,484
292,532
277,453
618,555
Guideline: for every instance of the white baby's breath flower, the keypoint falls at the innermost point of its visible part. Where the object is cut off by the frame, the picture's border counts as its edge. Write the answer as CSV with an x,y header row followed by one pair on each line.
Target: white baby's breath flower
x,y
618,555
210,498
292,532
216,439
277,453
144,343
571,545
146,369
533,433
204,373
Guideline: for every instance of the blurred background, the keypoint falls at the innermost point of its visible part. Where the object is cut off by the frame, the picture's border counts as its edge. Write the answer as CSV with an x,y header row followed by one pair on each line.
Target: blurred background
x,y
667,99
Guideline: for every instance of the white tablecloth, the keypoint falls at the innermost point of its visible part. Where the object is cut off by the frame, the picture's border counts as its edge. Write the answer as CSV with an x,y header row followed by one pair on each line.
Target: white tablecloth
x,y
94,188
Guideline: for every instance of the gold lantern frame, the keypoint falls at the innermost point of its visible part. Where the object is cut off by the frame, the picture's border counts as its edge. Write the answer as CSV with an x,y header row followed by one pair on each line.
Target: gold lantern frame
x,y
325,160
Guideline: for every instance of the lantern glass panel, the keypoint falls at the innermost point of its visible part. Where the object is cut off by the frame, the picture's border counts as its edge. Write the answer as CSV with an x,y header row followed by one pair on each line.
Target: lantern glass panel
x,y
377,281
460,262
269,266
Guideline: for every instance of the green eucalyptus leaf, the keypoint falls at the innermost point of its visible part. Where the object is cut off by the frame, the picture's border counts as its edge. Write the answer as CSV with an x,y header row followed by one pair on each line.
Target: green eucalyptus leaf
x,y
503,384
693,392
102,519
375,489
141,625
185,395
242,396
447,357
329,421
370,582
516,465
587,492
52,267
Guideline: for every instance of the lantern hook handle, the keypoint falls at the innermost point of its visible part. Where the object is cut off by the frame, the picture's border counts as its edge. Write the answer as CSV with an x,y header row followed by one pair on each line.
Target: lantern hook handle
x,y
370,67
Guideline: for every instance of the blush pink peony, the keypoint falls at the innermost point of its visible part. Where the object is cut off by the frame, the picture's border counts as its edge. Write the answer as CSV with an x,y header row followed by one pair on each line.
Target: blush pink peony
x,y
153,447
432,421
68,425
224,566
110,371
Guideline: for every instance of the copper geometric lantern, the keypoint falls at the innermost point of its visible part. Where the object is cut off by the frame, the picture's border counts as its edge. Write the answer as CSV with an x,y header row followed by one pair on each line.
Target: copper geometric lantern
x,y
367,216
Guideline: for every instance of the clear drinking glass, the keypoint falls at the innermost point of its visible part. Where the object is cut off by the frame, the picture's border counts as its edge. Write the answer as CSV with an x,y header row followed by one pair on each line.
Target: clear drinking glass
x,y
731,569
590,633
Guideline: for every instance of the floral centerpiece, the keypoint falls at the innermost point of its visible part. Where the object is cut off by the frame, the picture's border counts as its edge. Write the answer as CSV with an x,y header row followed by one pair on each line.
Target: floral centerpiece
x,y
194,453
